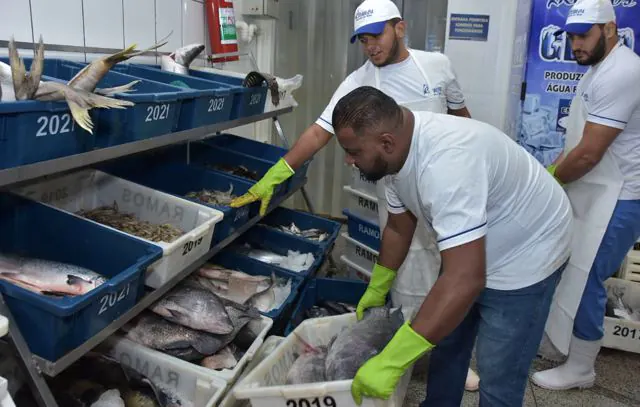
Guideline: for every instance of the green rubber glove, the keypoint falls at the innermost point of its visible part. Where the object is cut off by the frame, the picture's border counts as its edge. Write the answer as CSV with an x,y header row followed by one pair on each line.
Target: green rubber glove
x,y
263,189
552,170
376,293
380,375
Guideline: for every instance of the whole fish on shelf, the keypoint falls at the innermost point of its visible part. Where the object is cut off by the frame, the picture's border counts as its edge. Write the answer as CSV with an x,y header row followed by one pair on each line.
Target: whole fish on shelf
x,y
314,234
128,223
213,197
48,277
179,60
293,261
238,170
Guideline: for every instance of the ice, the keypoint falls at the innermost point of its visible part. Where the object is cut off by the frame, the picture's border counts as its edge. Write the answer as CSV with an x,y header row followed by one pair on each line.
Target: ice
x,y
296,261
110,398
281,293
531,103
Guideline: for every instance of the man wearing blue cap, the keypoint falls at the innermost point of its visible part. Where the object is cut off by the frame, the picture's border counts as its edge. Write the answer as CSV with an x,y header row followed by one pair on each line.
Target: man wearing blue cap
x,y
418,80
601,174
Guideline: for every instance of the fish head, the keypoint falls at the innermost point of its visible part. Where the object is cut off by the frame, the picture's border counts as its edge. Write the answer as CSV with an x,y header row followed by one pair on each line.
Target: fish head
x,y
185,55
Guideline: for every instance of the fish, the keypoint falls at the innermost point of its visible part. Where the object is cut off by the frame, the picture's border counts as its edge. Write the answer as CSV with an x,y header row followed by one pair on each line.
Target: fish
x,y
245,337
224,359
48,277
274,297
128,223
239,170
616,307
233,285
294,260
195,308
110,398
155,332
309,367
89,76
255,79
311,234
213,197
26,84
329,308
179,60
359,342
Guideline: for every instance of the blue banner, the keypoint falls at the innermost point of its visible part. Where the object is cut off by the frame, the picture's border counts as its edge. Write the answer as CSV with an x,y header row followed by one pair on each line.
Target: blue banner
x,y
552,74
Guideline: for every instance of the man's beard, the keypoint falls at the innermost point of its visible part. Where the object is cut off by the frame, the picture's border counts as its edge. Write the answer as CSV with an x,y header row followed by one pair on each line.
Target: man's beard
x,y
393,54
379,171
597,54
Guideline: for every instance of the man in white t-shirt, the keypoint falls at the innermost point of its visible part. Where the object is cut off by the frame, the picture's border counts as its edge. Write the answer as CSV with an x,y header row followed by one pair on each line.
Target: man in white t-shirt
x,y
503,229
416,79
601,173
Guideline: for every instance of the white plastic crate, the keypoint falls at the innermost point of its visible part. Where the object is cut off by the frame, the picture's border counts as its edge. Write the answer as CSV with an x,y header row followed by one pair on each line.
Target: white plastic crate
x,y
354,271
264,386
620,333
89,189
135,355
5,397
359,253
362,205
4,326
360,183
630,269
268,346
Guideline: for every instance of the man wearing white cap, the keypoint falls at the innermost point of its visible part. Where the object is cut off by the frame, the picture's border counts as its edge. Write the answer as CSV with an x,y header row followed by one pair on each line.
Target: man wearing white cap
x,y
601,174
416,79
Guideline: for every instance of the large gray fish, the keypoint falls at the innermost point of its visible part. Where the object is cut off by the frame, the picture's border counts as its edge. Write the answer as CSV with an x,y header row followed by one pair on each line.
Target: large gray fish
x,y
359,342
48,277
179,60
195,308
156,332
232,285
309,367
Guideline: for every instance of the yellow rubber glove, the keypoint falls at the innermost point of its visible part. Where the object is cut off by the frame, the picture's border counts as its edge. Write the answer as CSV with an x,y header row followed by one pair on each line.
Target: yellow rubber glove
x,y
377,290
380,375
552,170
263,189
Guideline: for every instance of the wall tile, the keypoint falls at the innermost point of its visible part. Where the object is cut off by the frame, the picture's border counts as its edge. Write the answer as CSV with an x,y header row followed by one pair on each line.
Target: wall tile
x,y
59,21
16,21
103,23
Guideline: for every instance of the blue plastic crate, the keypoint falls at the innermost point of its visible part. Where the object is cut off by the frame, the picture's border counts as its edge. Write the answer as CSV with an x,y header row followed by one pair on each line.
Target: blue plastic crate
x,y
263,151
280,243
54,326
363,231
211,105
304,220
318,290
234,261
179,179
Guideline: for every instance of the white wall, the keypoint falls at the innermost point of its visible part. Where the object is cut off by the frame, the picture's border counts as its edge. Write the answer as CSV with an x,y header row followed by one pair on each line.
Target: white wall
x,y
492,82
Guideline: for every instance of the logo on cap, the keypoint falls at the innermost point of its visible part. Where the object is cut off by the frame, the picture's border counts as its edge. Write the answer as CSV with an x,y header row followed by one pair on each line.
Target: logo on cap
x,y
576,12
360,14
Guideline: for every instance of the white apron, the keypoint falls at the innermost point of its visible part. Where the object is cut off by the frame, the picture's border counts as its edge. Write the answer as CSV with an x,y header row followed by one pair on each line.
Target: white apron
x,y
593,199
421,267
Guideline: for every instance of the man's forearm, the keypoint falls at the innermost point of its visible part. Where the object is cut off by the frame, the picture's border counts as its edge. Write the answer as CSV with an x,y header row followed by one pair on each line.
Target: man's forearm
x,y
464,112
394,248
575,165
309,143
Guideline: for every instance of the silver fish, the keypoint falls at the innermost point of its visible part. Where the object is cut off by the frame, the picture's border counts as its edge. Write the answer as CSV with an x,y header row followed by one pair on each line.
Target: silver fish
x,y
48,277
274,297
233,285
359,342
213,197
179,60
224,359
195,308
265,256
311,234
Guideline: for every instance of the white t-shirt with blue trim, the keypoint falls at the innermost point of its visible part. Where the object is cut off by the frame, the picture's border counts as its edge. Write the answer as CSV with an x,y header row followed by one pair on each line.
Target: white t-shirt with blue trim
x,y
610,91
469,180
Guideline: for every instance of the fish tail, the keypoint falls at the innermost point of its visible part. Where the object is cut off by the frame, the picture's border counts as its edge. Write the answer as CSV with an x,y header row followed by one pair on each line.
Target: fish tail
x,y
117,89
18,71
121,55
37,66
80,115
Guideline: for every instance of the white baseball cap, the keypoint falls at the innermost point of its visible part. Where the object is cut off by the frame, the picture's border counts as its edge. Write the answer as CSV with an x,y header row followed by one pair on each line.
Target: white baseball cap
x,y
372,15
585,13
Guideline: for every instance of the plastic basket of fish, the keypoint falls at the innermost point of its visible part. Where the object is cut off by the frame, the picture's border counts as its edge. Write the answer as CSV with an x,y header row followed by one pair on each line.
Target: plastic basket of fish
x,y
311,367
32,131
99,379
265,287
360,183
303,224
362,230
257,149
212,104
630,269
248,101
196,184
194,327
293,255
359,253
354,271
363,205
322,297
622,317
62,287
182,228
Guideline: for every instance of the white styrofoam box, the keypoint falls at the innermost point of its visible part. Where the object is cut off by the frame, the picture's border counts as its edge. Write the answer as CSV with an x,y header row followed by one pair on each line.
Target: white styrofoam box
x,y
268,346
630,269
59,22
134,352
201,388
356,272
4,326
5,397
16,21
362,205
265,387
103,24
192,22
620,333
360,183
359,253
89,189
169,18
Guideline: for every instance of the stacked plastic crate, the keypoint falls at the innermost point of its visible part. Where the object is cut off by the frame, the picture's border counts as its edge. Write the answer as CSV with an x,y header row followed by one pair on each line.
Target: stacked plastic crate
x,y
362,240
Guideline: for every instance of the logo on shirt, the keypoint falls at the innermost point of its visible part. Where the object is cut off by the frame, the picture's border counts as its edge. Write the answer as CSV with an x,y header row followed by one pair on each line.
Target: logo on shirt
x,y
585,96
437,91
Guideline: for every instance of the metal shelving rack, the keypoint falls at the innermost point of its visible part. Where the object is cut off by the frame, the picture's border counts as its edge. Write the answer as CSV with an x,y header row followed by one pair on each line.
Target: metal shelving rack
x,y
36,366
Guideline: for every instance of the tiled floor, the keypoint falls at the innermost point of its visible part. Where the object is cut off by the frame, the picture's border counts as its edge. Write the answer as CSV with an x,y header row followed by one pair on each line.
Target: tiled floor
x,y
617,382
